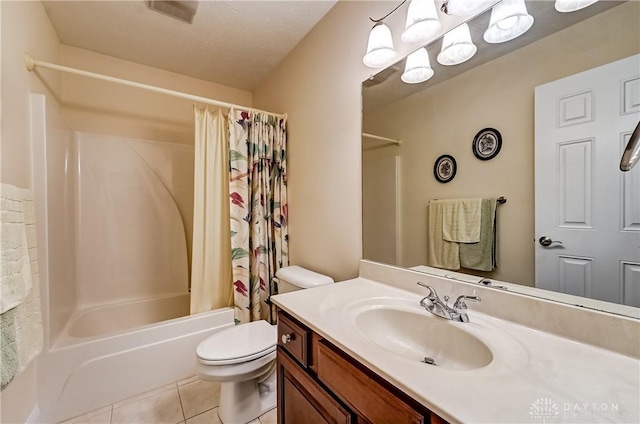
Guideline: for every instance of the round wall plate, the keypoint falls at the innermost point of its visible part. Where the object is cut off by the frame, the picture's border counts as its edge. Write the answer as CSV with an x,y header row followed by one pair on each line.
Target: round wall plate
x,y
487,144
445,168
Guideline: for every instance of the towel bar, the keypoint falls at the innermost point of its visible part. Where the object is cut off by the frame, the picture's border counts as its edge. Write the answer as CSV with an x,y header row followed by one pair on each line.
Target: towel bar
x,y
501,200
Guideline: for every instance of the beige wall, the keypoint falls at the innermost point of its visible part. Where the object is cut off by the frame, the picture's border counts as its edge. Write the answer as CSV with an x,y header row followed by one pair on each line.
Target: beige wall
x,y
318,85
103,107
25,28
500,94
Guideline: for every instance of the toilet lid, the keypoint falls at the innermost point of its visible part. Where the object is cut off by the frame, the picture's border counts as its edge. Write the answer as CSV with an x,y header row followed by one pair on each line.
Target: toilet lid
x,y
241,343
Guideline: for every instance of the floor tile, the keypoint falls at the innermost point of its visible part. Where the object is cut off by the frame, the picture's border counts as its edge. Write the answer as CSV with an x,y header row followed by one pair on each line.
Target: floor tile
x,y
208,417
161,408
270,417
199,396
144,395
99,416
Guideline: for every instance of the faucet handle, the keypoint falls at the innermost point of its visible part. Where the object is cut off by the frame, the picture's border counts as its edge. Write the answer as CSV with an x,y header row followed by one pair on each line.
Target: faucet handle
x,y
460,301
432,293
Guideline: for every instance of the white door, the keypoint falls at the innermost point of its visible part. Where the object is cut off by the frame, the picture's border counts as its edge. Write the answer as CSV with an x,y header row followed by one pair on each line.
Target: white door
x,y
586,206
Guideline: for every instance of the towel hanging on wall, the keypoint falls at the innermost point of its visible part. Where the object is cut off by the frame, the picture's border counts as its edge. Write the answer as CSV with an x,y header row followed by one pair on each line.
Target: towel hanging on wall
x,y
481,256
21,329
461,220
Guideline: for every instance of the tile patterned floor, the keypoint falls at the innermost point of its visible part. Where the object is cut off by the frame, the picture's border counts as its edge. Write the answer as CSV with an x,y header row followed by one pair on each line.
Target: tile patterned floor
x,y
190,401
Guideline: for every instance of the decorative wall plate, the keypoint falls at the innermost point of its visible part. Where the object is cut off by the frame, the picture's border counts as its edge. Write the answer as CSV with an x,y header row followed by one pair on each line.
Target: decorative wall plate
x,y
445,168
487,144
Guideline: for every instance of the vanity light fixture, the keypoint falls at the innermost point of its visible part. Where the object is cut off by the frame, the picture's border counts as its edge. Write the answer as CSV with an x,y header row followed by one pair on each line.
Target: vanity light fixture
x,y
572,5
380,51
422,22
457,46
417,68
465,7
509,20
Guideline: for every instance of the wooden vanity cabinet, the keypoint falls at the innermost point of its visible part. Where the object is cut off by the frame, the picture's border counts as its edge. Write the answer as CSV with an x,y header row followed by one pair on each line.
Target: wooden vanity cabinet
x,y
319,383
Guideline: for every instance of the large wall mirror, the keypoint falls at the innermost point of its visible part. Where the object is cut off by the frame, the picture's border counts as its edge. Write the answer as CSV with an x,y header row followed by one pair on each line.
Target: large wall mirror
x,y
549,83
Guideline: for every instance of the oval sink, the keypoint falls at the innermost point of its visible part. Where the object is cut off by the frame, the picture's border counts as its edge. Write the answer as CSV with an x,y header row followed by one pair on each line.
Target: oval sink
x,y
423,338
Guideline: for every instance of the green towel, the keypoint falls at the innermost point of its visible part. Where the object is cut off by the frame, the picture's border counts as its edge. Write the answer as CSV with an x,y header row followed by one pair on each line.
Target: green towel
x,y
440,253
461,220
8,347
481,256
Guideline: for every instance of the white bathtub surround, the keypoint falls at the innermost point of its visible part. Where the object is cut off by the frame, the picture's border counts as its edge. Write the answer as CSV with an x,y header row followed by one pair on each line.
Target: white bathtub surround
x,y
98,371
130,234
528,367
114,217
211,286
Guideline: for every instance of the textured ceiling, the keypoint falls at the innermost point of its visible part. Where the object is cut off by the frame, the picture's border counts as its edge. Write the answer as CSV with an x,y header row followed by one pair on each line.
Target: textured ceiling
x,y
234,43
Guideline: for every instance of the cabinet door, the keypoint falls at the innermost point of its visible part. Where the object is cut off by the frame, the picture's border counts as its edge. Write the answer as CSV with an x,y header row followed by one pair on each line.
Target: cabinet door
x,y
302,400
361,392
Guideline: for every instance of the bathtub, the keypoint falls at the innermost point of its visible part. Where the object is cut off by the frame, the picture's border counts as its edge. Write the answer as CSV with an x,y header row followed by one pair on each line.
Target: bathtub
x,y
93,365
110,319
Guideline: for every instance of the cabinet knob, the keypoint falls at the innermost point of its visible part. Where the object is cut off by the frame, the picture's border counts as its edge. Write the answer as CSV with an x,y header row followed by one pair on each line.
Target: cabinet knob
x,y
286,338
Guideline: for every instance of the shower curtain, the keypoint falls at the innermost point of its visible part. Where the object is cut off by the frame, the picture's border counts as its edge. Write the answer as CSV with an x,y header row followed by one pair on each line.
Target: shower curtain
x,y
258,196
211,253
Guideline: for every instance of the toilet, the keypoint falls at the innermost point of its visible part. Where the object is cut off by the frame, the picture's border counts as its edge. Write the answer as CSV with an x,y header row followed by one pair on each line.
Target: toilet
x,y
243,358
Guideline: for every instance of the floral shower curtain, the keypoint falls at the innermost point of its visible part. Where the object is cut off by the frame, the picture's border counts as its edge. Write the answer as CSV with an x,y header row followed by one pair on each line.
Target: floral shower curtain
x,y
258,195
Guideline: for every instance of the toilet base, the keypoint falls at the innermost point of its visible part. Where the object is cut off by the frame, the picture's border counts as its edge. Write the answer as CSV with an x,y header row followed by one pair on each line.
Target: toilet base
x,y
244,401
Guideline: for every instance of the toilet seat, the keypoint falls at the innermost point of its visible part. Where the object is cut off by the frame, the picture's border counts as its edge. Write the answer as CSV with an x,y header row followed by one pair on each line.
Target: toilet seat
x,y
242,343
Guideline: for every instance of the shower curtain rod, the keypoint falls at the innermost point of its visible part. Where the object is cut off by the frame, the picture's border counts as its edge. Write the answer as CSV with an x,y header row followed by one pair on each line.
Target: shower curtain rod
x,y
378,137
32,64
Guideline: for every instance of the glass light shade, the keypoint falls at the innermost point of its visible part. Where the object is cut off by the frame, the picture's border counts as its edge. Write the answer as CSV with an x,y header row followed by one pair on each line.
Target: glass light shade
x,y
467,7
417,68
422,22
380,51
572,5
457,46
509,20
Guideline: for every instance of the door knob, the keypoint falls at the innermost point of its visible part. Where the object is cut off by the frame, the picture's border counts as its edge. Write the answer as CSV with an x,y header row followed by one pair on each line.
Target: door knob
x,y
546,241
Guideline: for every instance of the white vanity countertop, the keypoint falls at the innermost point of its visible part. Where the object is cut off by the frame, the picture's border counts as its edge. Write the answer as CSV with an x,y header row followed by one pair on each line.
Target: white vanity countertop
x,y
568,381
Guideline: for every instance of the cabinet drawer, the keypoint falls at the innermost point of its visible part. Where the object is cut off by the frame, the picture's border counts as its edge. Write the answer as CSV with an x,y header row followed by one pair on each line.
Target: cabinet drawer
x,y
367,397
302,400
293,338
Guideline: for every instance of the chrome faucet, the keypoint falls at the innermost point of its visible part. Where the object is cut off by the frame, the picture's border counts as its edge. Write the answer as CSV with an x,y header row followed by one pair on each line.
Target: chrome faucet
x,y
432,303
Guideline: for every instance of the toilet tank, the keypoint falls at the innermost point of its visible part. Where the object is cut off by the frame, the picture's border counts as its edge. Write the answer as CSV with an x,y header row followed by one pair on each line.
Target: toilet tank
x,y
292,278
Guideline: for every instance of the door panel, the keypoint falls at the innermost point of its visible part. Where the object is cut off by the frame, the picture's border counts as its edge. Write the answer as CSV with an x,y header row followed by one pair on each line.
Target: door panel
x,y
583,200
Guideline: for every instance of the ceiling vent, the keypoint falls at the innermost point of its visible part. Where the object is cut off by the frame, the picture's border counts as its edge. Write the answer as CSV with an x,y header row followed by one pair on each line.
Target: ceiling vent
x,y
181,10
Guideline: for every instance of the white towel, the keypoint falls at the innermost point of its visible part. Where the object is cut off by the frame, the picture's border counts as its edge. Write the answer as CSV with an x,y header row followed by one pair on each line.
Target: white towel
x,y
461,220
21,327
15,272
